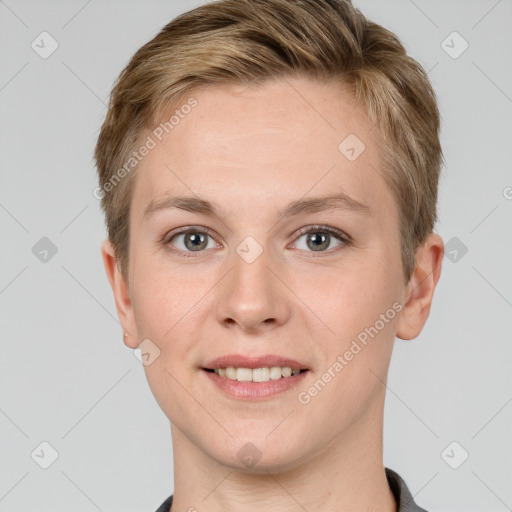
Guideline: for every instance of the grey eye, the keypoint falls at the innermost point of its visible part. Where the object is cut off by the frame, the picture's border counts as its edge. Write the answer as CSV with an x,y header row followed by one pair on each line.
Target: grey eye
x,y
192,240
318,240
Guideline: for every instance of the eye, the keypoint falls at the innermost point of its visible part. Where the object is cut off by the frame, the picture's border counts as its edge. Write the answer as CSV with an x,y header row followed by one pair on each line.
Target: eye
x,y
320,238
317,239
191,240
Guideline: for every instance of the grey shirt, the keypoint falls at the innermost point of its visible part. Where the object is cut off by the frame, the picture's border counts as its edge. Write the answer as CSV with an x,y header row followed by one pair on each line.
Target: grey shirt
x,y
397,485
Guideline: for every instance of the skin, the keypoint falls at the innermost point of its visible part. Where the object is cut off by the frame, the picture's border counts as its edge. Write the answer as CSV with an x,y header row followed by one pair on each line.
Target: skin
x,y
252,151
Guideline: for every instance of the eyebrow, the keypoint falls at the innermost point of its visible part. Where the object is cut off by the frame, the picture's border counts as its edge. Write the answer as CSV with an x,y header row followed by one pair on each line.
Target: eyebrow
x,y
338,201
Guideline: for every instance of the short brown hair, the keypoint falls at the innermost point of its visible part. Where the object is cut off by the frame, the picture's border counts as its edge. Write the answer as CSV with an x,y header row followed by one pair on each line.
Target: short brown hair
x,y
244,40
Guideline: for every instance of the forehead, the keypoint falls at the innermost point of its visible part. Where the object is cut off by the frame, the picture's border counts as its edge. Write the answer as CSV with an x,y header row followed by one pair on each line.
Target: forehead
x,y
267,145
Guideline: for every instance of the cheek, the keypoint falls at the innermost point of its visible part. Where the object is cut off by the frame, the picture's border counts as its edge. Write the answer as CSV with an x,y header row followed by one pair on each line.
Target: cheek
x,y
347,297
161,297
169,308
163,304
356,358
360,308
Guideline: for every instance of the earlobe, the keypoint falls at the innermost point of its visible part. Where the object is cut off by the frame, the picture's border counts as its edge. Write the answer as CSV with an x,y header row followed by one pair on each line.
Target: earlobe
x,y
121,291
420,289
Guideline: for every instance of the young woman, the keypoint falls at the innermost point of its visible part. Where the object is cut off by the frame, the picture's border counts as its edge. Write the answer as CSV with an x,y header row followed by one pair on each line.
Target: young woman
x,y
269,173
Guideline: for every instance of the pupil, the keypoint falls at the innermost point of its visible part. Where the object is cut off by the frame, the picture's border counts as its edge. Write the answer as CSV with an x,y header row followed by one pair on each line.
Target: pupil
x,y
197,240
319,241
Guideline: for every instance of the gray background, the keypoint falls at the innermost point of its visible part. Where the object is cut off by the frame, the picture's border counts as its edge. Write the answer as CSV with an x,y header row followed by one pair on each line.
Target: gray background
x,y
68,379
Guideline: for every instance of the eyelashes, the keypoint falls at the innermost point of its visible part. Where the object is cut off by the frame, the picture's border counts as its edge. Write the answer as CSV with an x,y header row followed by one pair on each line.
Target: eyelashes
x,y
198,239
332,232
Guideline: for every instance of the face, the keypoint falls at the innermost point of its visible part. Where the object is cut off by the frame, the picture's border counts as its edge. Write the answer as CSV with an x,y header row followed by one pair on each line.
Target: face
x,y
264,269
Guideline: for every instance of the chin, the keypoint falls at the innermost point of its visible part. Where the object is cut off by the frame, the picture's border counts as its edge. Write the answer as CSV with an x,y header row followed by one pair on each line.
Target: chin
x,y
259,454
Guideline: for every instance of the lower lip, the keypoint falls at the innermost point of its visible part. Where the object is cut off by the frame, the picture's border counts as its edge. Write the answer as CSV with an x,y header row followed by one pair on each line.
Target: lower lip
x,y
255,390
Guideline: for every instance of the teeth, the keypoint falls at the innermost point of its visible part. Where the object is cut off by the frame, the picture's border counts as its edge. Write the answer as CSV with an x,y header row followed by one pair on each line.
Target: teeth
x,y
275,372
231,373
258,374
263,374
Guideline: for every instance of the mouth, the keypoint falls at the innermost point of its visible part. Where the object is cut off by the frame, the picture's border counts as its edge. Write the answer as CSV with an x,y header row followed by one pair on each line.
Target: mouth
x,y
262,374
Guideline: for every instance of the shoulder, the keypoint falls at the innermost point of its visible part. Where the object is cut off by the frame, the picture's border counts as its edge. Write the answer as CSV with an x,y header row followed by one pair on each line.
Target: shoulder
x,y
401,492
166,505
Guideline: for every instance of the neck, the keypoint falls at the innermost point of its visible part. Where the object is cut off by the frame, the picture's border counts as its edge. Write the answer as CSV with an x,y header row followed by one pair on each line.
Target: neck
x,y
347,475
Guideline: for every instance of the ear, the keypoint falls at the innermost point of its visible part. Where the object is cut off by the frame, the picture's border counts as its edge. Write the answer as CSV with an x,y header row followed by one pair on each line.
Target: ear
x,y
121,291
420,289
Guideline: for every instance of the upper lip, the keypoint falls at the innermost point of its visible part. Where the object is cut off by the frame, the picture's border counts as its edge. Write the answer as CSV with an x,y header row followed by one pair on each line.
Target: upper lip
x,y
240,361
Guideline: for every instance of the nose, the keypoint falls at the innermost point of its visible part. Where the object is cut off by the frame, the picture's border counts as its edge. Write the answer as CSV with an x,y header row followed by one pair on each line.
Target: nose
x,y
251,297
